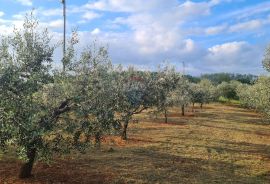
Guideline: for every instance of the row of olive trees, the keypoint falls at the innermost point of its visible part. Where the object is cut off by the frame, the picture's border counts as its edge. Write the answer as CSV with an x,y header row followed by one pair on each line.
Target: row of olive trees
x,y
45,111
183,93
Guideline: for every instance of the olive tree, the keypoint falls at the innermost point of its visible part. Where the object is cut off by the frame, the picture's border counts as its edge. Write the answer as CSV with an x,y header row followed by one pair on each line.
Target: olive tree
x,y
25,62
166,83
246,94
96,92
208,90
196,94
135,91
44,111
256,96
181,95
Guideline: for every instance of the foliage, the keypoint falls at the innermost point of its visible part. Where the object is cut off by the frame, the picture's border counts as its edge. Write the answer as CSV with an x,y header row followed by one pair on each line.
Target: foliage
x,y
44,111
136,91
196,94
218,78
228,89
192,79
25,68
181,95
256,96
266,59
167,81
210,92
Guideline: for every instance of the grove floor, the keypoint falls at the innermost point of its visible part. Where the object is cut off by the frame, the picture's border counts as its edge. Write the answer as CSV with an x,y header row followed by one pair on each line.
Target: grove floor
x,y
219,144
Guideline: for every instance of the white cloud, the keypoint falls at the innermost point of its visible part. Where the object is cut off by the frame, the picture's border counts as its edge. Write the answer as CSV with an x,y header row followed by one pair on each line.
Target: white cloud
x,y
215,29
155,24
124,5
227,48
189,45
234,57
190,8
89,15
25,2
246,26
239,57
51,12
18,16
6,30
2,13
96,31
55,24
250,11
150,31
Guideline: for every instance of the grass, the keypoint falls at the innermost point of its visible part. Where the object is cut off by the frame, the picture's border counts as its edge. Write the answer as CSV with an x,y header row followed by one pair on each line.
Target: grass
x,y
228,101
219,144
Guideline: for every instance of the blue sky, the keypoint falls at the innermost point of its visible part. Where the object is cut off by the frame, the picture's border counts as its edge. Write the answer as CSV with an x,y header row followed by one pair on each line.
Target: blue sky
x,y
208,35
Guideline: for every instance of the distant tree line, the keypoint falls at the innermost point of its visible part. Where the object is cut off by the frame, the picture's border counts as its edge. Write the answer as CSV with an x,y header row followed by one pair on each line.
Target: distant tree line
x,y
218,78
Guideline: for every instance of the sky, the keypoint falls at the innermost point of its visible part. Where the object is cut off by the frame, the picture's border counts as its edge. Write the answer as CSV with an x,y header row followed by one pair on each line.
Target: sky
x,y
209,36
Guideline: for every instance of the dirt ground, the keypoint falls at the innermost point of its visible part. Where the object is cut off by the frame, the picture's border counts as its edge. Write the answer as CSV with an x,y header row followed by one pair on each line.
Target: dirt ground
x,y
219,144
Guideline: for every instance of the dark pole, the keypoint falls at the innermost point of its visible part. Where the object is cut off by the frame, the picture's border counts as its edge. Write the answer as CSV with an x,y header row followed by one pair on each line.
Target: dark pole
x,y
64,35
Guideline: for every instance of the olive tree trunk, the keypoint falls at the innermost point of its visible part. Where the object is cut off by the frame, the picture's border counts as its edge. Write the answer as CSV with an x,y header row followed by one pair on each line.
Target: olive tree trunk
x,y
183,110
26,169
166,116
98,139
124,132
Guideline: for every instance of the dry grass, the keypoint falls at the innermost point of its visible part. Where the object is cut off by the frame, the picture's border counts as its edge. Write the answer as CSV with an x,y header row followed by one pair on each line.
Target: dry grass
x,y
220,144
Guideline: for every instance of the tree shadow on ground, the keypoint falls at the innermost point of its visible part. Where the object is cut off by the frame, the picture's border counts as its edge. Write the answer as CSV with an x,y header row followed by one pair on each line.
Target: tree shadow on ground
x,y
235,129
162,167
60,172
139,165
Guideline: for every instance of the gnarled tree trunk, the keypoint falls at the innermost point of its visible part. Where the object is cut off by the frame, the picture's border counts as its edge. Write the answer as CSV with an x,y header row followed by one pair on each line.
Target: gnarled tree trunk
x,y
201,105
183,110
166,116
97,139
26,169
124,133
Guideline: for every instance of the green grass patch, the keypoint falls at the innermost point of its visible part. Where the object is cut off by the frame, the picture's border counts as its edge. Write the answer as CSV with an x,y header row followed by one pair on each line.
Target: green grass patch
x,y
228,101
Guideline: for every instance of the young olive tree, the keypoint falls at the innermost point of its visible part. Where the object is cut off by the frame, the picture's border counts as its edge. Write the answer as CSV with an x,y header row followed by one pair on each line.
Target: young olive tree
x,y
166,83
181,95
196,94
244,92
209,92
135,92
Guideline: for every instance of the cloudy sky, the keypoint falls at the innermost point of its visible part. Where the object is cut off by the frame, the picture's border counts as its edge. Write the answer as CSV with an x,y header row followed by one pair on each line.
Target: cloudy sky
x,y
208,35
